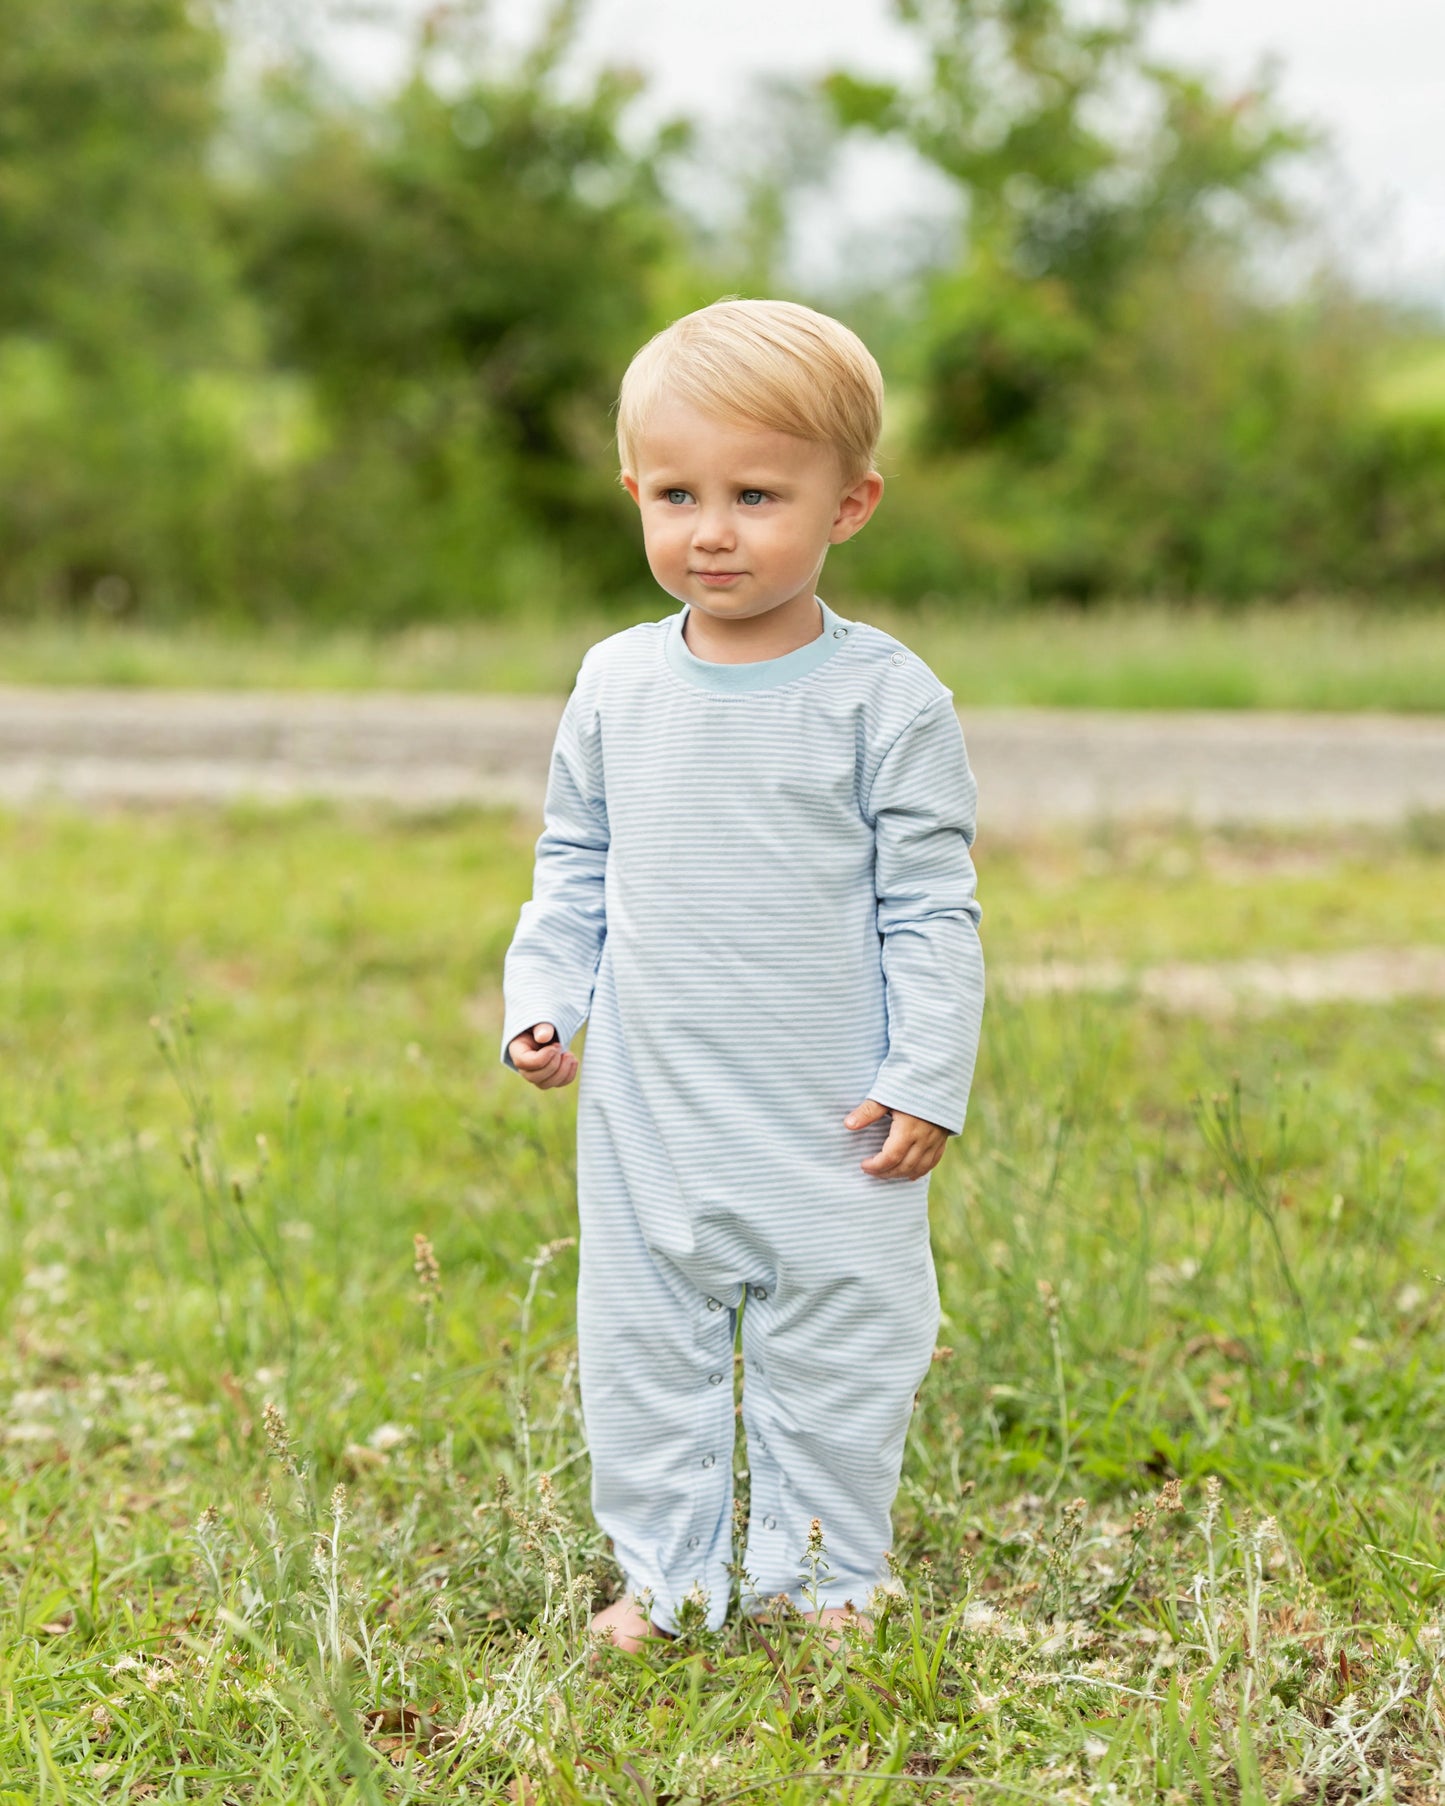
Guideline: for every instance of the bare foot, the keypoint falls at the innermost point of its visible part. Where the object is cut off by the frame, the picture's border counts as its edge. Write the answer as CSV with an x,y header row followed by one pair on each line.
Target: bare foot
x,y
626,1624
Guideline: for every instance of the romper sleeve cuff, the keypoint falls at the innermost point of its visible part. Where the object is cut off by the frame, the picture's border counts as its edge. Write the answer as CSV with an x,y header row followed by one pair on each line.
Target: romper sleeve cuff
x,y
899,1095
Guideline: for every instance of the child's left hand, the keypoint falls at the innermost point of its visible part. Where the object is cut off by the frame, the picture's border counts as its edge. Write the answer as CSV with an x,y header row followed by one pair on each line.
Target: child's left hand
x,y
914,1147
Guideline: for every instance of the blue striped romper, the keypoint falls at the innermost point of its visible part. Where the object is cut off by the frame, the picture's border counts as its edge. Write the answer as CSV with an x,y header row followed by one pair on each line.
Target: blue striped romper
x,y
754,884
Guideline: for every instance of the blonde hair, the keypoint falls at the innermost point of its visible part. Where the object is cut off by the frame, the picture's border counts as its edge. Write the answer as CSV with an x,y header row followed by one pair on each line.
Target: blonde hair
x,y
773,364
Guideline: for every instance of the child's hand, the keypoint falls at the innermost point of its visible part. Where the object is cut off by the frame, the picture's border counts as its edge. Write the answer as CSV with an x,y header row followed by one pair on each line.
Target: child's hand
x,y
541,1062
914,1147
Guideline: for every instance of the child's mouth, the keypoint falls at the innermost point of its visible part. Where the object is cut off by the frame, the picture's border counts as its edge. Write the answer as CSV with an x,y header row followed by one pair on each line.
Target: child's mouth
x,y
718,579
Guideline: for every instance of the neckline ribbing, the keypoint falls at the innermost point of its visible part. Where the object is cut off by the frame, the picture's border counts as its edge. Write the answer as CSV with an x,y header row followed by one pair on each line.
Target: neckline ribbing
x,y
761,674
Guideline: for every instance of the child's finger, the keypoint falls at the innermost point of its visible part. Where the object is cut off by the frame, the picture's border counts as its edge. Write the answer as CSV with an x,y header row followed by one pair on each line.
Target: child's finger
x,y
564,1075
906,1154
867,1112
891,1155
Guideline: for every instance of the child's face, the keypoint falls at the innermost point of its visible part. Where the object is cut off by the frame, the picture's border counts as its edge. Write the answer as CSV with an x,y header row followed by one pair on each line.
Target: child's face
x,y
738,519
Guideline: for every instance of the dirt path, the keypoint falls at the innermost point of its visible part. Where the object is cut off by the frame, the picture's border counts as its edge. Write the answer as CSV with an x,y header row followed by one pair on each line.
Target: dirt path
x,y
1035,766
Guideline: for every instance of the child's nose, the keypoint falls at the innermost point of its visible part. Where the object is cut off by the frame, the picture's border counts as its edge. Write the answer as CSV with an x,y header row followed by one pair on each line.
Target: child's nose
x,y
713,532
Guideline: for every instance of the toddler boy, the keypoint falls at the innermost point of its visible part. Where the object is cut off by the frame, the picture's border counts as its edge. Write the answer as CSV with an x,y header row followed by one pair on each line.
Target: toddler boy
x,y
754,883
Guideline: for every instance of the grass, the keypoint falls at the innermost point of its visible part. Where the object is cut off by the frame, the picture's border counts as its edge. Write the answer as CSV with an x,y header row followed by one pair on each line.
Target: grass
x,y
1310,655
293,1505
1412,381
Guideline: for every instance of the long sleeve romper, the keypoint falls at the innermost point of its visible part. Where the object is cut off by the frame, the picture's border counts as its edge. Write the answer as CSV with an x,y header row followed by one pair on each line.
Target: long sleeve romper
x,y
755,886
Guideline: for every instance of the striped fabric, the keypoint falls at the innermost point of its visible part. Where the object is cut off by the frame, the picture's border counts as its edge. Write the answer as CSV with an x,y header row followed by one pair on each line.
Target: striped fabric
x,y
754,883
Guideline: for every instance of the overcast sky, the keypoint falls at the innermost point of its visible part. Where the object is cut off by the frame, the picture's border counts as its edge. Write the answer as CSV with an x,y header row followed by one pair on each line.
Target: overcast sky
x,y
1373,76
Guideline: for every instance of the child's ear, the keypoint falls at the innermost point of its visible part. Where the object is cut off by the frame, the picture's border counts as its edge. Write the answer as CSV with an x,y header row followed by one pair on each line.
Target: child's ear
x,y
630,484
855,509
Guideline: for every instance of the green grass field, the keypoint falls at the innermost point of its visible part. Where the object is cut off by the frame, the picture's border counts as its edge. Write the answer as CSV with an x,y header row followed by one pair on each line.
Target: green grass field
x,y
284,1519
1311,655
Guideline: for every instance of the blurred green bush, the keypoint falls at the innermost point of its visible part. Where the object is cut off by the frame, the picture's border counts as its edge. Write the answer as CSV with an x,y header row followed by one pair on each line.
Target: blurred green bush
x,y
270,352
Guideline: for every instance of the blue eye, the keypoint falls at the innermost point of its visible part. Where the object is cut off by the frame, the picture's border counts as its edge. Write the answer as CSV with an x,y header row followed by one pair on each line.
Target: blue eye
x,y
678,496
753,496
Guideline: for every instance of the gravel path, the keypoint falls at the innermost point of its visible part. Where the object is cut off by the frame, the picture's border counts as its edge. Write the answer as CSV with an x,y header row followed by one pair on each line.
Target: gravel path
x,y
1035,766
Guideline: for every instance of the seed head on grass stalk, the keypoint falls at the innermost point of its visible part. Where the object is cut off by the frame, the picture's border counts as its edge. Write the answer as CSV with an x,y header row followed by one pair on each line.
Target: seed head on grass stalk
x,y
815,1560
327,1567
741,1584
1168,1501
1206,1586
208,1549
428,1272
1052,1306
278,1438
1054,1596
521,1403
1256,1545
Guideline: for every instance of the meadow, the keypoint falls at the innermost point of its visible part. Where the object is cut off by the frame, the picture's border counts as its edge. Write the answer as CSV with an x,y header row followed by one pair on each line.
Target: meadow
x,y
1309,654
292,1476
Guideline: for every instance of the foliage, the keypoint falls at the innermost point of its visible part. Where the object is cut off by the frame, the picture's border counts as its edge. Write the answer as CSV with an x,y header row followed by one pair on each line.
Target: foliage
x,y
295,1504
1206,445
107,227
1110,401
275,351
359,366
462,275
1083,164
116,291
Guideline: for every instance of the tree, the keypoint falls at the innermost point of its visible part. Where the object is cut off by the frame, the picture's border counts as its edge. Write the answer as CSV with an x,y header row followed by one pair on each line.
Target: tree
x,y
108,240
465,272
117,302
1149,416
1082,163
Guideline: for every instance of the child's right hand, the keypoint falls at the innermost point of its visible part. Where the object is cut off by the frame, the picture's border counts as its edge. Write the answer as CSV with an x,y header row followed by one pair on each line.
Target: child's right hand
x,y
541,1062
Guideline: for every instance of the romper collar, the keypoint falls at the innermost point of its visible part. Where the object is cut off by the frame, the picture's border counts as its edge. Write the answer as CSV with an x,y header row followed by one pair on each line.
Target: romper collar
x,y
761,674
